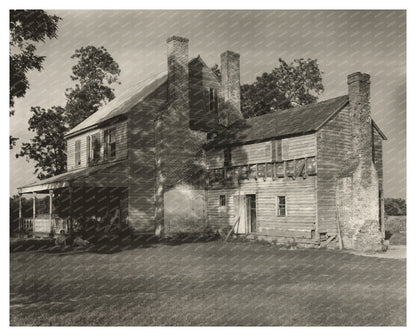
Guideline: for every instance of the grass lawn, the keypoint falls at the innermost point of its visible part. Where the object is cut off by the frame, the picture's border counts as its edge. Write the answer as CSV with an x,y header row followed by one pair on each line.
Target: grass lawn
x,y
206,284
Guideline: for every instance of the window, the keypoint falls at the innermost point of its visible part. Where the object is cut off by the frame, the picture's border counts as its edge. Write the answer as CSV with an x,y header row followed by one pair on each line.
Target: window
x,y
110,143
222,200
281,206
213,100
77,153
227,157
95,148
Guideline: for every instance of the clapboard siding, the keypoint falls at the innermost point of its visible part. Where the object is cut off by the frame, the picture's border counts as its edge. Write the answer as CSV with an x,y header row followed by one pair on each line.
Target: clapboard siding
x,y
299,147
251,153
292,148
334,147
141,152
300,199
215,158
121,144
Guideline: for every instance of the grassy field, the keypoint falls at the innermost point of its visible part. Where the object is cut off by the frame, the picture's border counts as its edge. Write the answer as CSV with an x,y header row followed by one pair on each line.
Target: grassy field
x,y
206,284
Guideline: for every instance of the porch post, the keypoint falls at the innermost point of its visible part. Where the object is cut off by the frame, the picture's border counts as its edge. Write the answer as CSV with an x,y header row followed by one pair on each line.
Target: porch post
x,y
34,212
70,208
20,214
34,205
50,209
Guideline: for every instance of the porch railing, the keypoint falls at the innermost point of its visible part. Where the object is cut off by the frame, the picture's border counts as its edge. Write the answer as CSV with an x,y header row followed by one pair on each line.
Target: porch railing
x,y
44,225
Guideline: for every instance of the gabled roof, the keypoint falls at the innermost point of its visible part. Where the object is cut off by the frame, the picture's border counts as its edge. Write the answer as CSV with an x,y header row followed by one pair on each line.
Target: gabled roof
x,y
122,103
289,122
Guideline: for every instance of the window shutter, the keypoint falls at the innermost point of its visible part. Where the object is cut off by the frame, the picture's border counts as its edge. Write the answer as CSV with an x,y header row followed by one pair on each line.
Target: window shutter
x,y
77,153
279,153
274,150
268,151
88,149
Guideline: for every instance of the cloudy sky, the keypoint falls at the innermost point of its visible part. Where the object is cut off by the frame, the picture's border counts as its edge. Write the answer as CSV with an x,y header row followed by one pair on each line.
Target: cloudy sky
x,y
343,42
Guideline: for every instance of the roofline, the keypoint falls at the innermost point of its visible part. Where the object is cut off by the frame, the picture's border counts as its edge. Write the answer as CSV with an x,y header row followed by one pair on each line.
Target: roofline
x,y
384,137
332,115
100,123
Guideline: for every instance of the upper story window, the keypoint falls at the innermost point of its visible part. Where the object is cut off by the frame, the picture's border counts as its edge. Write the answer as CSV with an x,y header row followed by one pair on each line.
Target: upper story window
x,y
77,153
110,143
213,100
95,148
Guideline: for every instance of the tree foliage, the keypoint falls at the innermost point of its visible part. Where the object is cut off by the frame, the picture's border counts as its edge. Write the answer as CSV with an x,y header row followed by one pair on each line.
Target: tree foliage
x,y
395,206
26,28
47,147
288,85
95,71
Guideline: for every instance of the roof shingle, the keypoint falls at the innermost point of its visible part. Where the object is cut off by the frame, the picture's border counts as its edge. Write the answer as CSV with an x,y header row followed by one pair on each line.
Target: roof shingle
x,y
297,120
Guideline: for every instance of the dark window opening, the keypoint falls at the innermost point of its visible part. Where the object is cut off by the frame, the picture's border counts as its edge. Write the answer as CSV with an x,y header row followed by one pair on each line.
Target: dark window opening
x,y
95,148
213,100
222,200
281,206
110,143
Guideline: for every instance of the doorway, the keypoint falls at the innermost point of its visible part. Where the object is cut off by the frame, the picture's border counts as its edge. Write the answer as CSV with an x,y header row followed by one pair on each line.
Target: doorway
x,y
251,213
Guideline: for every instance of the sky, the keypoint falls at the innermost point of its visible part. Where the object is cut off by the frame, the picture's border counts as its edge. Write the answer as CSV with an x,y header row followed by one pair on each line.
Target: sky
x,y
343,42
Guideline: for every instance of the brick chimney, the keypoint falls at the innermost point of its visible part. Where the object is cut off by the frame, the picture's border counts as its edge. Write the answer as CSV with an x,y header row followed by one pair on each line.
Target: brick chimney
x,y
178,81
357,196
230,87
359,97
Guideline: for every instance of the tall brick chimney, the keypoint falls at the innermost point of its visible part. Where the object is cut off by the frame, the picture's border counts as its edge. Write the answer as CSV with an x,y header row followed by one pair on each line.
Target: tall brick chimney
x,y
178,81
230,87
357,196
359,97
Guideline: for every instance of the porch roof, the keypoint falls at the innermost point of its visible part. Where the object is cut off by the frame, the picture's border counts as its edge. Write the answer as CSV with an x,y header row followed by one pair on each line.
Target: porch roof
x,y
98,176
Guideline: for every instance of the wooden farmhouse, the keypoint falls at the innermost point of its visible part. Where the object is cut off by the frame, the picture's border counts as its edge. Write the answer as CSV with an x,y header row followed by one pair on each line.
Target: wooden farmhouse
x,y
174,154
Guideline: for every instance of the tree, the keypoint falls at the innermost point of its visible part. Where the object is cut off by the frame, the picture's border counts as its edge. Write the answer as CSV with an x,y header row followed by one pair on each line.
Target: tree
x,y
47,148
395,206
27,27
288,85
96,70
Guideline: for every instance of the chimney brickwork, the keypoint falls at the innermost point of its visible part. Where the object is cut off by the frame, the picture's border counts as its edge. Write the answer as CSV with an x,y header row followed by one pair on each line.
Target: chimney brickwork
x,y
230,88
358,201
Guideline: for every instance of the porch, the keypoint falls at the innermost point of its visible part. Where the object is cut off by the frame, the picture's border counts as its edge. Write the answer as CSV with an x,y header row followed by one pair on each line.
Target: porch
x,y
97,193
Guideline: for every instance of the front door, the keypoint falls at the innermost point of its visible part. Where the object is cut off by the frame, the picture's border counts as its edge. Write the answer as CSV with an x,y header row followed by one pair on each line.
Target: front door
x,y
251,213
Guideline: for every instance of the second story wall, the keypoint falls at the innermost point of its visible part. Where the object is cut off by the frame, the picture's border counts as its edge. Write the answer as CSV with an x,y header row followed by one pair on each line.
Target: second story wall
x,y
79,144
267,151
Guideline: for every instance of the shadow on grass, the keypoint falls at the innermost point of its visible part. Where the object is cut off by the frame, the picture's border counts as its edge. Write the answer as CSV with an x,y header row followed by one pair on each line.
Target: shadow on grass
x,y
108,244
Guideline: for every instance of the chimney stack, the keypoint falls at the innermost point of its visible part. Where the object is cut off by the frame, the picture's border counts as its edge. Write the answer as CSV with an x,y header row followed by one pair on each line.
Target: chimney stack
x,y
230,87
359,97
178,81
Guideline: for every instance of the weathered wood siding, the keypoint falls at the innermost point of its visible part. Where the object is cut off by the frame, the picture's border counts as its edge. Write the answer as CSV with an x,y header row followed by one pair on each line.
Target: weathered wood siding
x,y
141,153
121,144
378,156
334,147
292,148
300,205
299,147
